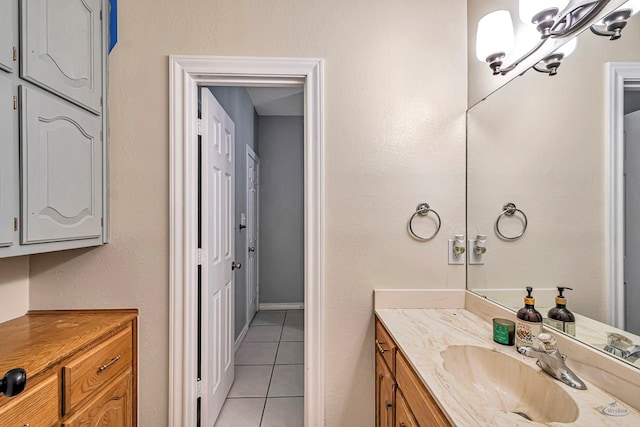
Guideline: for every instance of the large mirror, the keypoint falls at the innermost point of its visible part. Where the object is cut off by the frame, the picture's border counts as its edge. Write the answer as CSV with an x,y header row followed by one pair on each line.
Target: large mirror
x,y
542,143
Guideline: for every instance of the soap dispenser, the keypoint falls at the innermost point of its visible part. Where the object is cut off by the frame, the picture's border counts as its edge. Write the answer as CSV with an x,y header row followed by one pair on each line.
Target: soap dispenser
x,y
560,317
529,322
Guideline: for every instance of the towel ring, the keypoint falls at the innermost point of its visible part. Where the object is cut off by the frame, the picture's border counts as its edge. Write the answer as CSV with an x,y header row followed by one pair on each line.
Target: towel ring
x,y
509,209
423,209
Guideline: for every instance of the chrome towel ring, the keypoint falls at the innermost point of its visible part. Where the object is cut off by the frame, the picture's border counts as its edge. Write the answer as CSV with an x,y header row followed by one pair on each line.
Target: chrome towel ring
x,y
423,209
509,209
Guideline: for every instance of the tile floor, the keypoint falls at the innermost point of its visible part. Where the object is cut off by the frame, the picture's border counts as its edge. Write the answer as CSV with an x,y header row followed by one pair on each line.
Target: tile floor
x,y
268,388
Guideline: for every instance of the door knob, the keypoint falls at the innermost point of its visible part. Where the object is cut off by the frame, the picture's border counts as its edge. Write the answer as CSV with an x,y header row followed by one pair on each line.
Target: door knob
x,y
252,249
13,382
235,266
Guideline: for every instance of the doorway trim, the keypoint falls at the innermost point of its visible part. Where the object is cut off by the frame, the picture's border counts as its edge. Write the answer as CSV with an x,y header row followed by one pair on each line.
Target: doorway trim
x,y
618,76
186,73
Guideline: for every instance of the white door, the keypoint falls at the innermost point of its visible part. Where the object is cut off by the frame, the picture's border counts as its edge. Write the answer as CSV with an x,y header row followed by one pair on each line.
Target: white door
x,y
217,246
8,162
632,227
8,46
252,233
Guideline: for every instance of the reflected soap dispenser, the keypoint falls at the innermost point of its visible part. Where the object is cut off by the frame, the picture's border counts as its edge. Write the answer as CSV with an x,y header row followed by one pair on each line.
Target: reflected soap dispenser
x,y
529,322
560,317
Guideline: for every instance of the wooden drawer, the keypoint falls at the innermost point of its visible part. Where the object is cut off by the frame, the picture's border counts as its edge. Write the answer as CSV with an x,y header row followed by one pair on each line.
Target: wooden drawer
x,y
385,346
37,407
111,407
422,404
95,368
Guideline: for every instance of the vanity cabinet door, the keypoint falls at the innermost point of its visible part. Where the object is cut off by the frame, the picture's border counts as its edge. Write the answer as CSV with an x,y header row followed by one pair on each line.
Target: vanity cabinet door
x,y
404,417
8,20
61,43
61,174
385,394
8,162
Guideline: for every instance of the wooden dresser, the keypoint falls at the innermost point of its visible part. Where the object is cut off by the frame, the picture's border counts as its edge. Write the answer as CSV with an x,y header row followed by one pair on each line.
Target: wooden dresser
x,y
81,368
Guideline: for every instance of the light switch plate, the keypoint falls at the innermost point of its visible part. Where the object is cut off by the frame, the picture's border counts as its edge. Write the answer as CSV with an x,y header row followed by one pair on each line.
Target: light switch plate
x,y
474,259
453,259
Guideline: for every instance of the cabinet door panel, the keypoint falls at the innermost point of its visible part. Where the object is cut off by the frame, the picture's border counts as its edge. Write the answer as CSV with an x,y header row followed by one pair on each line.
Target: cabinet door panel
x,y
8,19
8,162
61,48
61,170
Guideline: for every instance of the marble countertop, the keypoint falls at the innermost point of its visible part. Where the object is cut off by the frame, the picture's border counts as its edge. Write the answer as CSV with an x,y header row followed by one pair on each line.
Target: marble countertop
x,y
422,334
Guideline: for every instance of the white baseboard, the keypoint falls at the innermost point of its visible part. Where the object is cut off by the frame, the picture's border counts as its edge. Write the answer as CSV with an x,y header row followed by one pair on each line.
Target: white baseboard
x,y
281,306
243,334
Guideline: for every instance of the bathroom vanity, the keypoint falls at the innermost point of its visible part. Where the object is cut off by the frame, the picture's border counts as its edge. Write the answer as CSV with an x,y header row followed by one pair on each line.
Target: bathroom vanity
x,y
439,366
80,366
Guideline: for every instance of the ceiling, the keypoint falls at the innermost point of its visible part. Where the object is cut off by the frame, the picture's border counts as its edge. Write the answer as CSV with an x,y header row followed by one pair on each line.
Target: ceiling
x,y
277,101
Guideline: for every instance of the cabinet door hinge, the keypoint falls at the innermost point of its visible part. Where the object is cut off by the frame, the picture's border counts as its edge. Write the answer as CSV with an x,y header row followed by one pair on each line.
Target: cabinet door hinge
x,y
198,388
15,53
199,126
101,221
101,14
15,224
101,101
15,102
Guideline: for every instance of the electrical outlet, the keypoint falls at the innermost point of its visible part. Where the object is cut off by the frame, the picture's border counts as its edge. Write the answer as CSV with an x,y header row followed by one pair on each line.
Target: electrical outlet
x,y
474,258
455,259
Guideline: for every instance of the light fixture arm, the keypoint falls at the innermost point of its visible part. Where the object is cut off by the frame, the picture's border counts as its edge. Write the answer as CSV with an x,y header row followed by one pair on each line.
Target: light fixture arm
x,y
553,24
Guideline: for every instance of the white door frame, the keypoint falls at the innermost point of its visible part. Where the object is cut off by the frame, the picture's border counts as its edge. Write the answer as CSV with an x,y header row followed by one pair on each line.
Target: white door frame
x,y
618,75
186,73
256,213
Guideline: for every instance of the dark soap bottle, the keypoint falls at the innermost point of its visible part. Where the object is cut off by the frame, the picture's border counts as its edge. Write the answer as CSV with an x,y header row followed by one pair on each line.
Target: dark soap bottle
x,y
560,317
529,322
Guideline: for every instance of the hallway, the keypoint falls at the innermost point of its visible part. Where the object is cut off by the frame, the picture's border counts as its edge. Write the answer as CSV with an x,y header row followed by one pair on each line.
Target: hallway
x,y
268,388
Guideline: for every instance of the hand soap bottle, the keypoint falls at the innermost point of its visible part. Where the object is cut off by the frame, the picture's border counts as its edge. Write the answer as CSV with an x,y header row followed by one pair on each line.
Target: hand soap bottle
x,y
560,317
529,322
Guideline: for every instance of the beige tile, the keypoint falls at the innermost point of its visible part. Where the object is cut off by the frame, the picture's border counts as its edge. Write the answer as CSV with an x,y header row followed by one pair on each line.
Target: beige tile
x,y
256,353
284,412
290,353
241,412
287,381
292,333
294,317
269,318
263,334
251,381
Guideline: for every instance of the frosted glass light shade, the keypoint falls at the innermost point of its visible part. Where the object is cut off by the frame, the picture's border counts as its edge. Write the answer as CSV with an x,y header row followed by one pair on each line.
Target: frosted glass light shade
x,y
527,9
568,48
495,34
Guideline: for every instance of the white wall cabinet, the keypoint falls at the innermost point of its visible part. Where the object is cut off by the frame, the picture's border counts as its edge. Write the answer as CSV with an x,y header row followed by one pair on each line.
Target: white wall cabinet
x,y
8,164
8,34
60,42
61,170
52,125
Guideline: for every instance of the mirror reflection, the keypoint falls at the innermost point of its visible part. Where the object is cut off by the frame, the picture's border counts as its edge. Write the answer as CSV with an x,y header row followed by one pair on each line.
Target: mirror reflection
x,y
540,188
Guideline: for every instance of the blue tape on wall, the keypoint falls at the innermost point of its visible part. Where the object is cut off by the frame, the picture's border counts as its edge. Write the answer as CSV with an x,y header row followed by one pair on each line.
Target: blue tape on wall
x,y
113,24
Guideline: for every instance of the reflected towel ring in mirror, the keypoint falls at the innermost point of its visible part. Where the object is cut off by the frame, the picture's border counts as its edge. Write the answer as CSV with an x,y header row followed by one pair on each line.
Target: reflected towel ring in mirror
x,y
423,209
509,209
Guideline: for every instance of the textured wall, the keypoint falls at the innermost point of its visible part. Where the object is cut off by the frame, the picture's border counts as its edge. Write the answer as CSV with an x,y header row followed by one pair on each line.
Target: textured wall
x,y
281,209
238,105
395,95
14,287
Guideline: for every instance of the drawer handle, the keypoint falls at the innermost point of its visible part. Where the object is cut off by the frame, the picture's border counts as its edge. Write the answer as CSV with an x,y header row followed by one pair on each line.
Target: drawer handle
x,y
380,349
111,362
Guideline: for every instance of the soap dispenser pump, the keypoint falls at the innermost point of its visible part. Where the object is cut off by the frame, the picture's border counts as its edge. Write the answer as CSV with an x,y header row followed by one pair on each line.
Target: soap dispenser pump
x,y
560,317
529,322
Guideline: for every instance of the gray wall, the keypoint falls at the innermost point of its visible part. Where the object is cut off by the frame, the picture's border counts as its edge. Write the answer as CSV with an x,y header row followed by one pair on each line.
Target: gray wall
x,y
281,257
238,105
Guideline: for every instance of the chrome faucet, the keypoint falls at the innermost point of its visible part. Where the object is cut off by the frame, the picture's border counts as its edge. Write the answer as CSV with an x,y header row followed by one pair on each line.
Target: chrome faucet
x,y
623,347
551,361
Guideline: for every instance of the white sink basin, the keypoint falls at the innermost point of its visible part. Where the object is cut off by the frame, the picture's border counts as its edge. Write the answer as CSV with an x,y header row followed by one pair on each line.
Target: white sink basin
x,y
499,380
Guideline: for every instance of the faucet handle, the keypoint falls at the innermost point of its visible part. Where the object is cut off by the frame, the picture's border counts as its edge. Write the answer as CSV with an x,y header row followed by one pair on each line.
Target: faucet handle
x,y
547,341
